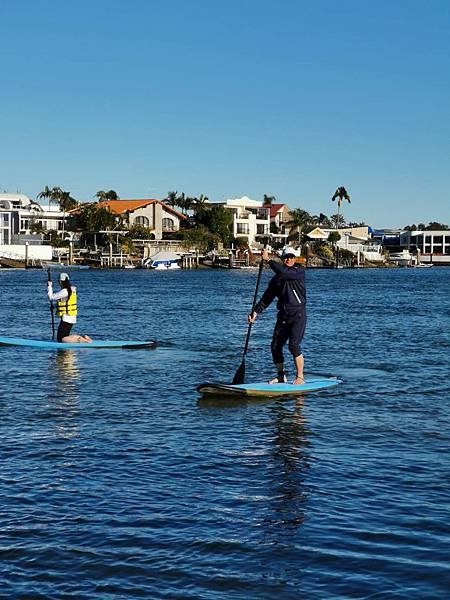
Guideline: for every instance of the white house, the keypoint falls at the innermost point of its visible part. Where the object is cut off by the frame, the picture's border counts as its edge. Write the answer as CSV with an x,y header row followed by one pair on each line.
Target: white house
x,y
355,239
251,220
18,214
433,245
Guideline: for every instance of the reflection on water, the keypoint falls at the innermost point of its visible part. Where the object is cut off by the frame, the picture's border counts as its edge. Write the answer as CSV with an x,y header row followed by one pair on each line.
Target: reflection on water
x,y
63,393
67,366
290,459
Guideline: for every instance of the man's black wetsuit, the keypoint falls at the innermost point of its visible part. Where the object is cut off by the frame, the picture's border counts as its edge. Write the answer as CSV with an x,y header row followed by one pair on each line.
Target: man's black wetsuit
x,y
288,285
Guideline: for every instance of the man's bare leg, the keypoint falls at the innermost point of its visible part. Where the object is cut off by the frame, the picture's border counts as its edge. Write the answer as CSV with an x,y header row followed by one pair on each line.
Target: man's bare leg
x,y
299,364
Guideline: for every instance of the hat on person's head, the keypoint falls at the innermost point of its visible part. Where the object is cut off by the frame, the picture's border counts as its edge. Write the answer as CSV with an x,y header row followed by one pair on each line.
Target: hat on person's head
x,y
63,277
288,252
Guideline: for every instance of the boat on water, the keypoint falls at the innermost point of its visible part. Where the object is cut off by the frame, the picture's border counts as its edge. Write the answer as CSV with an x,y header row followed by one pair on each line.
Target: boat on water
x,y
162,261
61,266
402,259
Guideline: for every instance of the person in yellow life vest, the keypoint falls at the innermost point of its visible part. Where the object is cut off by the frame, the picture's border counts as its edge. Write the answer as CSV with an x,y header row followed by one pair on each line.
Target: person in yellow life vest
x,y
66,309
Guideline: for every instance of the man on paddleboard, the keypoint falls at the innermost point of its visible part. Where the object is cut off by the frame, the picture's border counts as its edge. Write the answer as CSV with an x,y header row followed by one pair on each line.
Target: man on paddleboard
x,y
66,309
288,285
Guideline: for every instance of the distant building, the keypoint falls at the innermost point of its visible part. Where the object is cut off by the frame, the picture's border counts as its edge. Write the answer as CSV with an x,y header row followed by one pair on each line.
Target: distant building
x,y
433,246
279,216
151,214
18,214
251,220
356,239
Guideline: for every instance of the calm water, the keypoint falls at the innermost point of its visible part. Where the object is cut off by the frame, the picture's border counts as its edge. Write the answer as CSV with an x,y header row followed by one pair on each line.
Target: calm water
x,y
116,481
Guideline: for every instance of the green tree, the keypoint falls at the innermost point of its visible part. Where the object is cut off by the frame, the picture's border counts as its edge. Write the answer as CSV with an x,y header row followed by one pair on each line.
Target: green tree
x,y
435,226
321,220
37,227
62,198
216,219
92,218
199,238
299,221
268,200
337,221
104,196
333,238
340,195
171,199
139,232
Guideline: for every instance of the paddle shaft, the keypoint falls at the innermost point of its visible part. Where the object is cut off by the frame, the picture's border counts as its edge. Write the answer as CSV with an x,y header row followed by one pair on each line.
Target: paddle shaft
x,y
255,297
49,279
239,376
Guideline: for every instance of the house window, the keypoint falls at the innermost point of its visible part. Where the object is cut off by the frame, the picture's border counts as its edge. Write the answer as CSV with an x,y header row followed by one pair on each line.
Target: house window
x,y
142,221
261,230
242,228
168,224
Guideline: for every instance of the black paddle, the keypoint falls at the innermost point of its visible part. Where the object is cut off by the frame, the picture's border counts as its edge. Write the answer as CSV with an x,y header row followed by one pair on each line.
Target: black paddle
x,y
49,278
239,376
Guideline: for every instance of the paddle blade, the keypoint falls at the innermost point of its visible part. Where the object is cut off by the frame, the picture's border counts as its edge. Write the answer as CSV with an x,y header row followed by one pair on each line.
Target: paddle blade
x,y
239,376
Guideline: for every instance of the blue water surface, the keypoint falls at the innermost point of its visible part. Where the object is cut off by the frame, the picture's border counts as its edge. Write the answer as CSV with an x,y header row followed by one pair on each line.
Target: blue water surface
x,y
118,481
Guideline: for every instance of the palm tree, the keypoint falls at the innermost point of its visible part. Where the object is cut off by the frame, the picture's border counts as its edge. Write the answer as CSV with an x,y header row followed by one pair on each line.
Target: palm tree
x,y
337,221
62,198
109,195
341,194
300,220
51,194
171,199
46,193
199,204
66,202
268,200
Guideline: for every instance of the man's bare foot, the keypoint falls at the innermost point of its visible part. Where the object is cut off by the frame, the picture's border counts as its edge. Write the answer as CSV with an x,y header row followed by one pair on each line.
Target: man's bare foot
x,y
298,381
85,339
278,379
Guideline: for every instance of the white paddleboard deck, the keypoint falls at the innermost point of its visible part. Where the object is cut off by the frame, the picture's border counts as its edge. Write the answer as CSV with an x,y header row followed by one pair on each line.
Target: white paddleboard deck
x,y
96,344
268,389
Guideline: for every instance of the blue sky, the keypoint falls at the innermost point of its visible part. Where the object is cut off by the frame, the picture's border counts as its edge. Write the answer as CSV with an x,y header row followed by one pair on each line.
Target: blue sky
x,y
287,98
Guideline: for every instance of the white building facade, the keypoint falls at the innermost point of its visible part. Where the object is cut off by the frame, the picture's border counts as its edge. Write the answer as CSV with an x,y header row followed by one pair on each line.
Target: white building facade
x,y
251,220
18,214
433,246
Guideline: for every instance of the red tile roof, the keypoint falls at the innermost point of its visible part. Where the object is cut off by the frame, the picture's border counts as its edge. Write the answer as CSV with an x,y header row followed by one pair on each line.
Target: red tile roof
x,y
118,207
274,208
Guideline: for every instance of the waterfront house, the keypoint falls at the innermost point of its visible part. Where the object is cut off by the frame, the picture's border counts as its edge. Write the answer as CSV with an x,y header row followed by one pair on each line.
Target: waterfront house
x,y
149,213
433,246
251,220
279,217
19,214
356,239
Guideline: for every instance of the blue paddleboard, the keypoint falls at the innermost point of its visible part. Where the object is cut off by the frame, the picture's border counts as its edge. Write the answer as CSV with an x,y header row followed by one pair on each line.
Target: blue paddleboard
x,y
49,345
268,389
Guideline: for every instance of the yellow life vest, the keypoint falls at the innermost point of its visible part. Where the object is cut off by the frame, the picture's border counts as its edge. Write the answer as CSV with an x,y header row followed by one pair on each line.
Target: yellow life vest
x,y
67,306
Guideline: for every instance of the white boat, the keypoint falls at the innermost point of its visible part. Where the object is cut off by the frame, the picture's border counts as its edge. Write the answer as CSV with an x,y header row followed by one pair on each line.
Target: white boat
x,y
402,259
424,265
46,264
162,261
